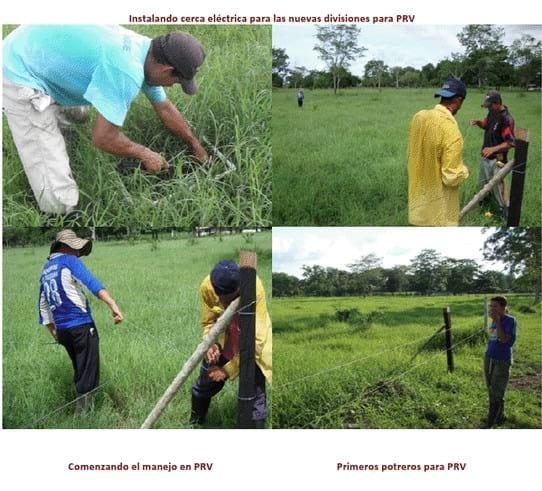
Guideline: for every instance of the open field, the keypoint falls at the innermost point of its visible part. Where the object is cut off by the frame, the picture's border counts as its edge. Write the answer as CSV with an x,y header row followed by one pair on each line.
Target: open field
x,y
232,110
341,160
156,285
331,374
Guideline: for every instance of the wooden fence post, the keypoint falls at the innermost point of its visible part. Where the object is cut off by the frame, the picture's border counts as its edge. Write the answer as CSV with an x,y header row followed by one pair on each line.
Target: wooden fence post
x,y
448,329
221,324
518,177
494,181
247,342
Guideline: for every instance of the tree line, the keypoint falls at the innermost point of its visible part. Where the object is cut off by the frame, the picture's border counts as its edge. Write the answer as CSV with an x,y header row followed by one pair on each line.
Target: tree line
x,y
485,62
428,273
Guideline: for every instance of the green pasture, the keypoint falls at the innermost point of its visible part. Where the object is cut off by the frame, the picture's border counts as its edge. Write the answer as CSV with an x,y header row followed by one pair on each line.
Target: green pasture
x,y
341,160
156,285
331,374
232,110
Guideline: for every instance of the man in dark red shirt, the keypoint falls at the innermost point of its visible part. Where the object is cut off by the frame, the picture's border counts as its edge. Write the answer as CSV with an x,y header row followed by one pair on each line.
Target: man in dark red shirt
x,y
498,128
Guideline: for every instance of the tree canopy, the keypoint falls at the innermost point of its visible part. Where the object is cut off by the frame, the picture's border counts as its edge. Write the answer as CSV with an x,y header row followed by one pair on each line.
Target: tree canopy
x,y
486,61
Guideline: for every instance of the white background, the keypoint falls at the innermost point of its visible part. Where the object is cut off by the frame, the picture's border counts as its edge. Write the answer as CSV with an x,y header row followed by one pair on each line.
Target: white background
x,y
277,459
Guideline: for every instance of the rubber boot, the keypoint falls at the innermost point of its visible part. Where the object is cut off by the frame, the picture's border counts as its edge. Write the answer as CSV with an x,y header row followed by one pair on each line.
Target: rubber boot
x,y
84,403
200,406
260,424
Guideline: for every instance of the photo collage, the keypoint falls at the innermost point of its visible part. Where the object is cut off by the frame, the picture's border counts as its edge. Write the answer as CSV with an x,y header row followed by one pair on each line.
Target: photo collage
x,y
190,208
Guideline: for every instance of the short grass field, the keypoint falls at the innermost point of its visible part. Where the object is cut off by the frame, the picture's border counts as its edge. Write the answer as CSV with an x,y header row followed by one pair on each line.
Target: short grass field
x,y
331,374
156,285
232,110
342,160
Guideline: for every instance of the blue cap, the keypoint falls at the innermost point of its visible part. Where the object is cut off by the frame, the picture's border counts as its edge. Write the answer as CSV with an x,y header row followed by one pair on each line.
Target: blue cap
x,y
451,88
225,277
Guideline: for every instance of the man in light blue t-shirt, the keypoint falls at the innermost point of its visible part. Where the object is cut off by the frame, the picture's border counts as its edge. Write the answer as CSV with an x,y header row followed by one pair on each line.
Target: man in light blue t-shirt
x,y
48,68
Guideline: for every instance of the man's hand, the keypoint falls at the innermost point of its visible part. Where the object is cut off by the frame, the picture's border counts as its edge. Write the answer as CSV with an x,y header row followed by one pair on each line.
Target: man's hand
x,y
487,151
115,311
117,314
494,315
52,330
200,153
174,121
473,122
217,374
154,162
213,354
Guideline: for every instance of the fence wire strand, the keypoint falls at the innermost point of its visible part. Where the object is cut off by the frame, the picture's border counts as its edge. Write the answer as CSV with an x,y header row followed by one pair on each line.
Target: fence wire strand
x,y
112,379
396,377
357,360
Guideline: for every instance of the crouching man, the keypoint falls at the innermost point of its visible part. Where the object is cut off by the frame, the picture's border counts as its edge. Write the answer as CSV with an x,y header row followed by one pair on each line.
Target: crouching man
x,y
221,362
64,309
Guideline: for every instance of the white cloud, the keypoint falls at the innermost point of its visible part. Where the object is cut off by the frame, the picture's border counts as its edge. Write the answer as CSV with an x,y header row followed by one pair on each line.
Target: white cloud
x,y
403,45
337,247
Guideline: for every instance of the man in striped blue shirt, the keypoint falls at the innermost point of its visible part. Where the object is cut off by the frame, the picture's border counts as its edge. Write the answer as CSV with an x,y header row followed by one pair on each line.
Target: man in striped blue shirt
x,y
64,309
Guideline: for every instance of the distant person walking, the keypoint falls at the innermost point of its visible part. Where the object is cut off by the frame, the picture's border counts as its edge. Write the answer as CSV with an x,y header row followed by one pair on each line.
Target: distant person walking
x,y
498,358
300,97
64,309
435,160
498,128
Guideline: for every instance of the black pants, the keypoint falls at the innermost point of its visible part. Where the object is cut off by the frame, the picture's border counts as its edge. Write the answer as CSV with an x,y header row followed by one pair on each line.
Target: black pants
x,y
82,344
204,389
300,102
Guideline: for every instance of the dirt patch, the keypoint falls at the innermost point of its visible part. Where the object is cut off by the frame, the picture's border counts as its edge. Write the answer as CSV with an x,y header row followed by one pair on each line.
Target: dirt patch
x,y
527,382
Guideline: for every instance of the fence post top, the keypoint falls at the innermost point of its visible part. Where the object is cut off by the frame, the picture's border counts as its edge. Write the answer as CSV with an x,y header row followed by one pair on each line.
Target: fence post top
x,y
247,259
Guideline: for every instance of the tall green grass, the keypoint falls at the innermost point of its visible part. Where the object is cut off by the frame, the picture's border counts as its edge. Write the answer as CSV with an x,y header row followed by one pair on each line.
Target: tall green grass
x,y
232,110
341,160
156,285
331,374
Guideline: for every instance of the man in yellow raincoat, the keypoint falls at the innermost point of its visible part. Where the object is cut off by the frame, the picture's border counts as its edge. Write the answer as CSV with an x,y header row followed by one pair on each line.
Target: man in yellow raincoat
x,y
435,160
221,362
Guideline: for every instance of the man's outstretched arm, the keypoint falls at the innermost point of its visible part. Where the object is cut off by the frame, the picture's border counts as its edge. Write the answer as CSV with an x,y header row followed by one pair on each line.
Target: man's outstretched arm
x,y
109,138
175,122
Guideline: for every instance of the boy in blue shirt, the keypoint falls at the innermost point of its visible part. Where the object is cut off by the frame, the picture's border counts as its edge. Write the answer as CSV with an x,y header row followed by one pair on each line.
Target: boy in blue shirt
x,y
48,68
498,358
64,309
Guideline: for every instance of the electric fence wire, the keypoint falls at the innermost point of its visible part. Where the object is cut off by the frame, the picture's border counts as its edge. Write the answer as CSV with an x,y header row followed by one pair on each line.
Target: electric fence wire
x,y
356,360
396,377
112,379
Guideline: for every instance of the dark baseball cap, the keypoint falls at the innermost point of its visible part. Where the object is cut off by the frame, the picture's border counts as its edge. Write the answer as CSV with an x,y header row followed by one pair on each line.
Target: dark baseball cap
x,y
184,53
492,97
225,277
451,88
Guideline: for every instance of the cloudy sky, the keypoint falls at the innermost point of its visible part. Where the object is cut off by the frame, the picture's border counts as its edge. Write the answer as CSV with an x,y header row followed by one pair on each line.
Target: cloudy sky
x,y
413,45
337,246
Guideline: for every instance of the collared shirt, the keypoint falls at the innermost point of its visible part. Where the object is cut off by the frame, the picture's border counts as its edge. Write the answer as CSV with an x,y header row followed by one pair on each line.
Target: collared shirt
x,y
78,65
61,297
498,128
435,168
211,310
